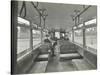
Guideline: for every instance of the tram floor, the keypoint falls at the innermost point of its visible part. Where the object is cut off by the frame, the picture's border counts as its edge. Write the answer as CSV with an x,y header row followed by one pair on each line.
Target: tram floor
x,y
39,67
58,63
54,64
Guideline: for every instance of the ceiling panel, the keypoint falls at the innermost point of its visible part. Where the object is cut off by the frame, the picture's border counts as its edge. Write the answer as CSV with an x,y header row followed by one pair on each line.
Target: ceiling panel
x,y
59,15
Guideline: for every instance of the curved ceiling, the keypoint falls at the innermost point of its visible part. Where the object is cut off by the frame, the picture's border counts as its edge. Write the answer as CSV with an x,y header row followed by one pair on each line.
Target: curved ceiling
x,y
59,15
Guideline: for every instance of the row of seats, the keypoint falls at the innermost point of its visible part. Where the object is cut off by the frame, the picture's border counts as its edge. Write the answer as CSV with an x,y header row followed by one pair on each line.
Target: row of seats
x,y
34,61
25,64
67,47
82,59
82,64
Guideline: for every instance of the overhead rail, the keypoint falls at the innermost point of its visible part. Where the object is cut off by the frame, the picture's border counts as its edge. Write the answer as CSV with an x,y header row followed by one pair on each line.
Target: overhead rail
x,y
90,23
76,17
23,8
38,10
85,9
42,13
36,7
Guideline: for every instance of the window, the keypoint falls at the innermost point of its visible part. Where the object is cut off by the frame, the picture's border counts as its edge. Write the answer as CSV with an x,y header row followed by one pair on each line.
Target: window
x,y
80,25
78,36
93,21
91,37
23,21
36,37
57,34
70,35
23,39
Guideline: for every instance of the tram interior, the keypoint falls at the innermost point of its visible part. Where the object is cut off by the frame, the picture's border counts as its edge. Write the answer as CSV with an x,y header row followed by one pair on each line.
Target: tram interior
x,y
72,26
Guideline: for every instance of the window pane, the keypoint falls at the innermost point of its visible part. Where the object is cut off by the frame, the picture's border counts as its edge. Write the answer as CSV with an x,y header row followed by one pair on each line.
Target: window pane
x,y
36,37
93,21
70,35
23,21
57,34
91,37
78,36
23,39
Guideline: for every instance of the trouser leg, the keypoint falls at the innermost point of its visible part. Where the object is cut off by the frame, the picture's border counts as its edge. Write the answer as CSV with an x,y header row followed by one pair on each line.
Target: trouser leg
x,y
52,50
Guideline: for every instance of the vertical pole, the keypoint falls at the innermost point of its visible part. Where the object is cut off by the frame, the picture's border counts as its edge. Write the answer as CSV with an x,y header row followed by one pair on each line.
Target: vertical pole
x,y
60,35
41,29
44,22
84,38
54,34
75,21
31,37
78,20
72,35
14,5
64,34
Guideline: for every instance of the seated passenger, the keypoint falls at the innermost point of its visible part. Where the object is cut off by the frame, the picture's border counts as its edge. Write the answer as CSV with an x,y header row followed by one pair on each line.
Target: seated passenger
x,y
67,38
49,43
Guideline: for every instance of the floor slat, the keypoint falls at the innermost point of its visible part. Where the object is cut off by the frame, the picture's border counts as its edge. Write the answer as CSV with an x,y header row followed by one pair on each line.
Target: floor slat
x,y
39,67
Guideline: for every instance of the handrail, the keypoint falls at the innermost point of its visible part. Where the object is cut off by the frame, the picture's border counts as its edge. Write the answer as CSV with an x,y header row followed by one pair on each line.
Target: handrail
x,y
83,11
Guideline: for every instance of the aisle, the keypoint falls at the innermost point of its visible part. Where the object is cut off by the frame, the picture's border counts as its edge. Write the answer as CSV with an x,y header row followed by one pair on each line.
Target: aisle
x,y
55,65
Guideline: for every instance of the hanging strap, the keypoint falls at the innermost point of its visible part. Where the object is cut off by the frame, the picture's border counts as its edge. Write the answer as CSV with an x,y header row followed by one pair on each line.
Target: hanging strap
x,y
23,8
